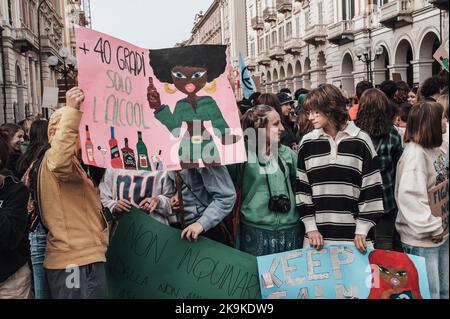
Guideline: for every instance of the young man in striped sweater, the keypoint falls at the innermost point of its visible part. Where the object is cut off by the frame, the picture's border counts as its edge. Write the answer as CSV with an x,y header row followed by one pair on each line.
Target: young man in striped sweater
x,y
339,187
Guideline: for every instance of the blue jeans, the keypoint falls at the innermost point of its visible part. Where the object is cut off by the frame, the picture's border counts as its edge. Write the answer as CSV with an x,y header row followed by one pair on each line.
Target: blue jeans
x,y
38,240
436,259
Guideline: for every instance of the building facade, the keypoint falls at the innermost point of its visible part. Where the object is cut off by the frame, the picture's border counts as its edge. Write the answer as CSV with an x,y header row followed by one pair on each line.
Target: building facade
x,y
223,23
21,70
303,43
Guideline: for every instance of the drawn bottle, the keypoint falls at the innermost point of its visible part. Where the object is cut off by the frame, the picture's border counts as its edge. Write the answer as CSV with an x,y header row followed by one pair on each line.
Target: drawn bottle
x,y
143,162
129,160
116,162
157,161
89,148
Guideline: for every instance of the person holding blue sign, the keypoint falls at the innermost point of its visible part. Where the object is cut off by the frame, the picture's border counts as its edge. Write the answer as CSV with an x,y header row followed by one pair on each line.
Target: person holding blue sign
x,y
339,185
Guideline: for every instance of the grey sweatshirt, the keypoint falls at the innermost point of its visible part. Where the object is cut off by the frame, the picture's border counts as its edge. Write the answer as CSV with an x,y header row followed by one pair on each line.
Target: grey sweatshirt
x,y
135,186
208,195
418,171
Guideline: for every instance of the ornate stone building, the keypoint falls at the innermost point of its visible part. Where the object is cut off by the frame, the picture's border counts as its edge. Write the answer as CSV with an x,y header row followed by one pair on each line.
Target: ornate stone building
x,y
302,43
21,73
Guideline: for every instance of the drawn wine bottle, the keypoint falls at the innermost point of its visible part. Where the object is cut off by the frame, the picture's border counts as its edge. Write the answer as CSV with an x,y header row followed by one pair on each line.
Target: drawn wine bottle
x,y
116,162
89,147
143,162
129,160
157,161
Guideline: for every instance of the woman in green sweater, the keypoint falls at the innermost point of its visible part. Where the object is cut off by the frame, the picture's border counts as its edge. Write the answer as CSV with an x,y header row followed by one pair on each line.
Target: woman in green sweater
x,y
269,222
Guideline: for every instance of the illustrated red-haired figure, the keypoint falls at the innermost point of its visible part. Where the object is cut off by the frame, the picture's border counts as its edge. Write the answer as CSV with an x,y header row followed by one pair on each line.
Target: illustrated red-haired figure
x,y
398,277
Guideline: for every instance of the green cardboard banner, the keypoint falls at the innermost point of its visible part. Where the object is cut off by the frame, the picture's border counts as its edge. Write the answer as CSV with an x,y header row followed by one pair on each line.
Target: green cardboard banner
x,y
148,260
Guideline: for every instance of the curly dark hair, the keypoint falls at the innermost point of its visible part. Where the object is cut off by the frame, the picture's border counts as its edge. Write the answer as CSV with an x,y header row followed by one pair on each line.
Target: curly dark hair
x,y
372,116
389,88
328,100
210,57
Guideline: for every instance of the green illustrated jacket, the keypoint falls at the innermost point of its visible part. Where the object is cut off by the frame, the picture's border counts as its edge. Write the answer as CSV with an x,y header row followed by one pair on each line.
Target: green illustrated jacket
x,y
207,110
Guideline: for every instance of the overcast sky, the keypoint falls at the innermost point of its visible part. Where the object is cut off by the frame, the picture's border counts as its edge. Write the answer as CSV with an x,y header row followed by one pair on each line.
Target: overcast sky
x,y
152,24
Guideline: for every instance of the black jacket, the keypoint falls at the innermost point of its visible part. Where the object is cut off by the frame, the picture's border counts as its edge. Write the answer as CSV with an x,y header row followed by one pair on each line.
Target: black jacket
x,y
14,245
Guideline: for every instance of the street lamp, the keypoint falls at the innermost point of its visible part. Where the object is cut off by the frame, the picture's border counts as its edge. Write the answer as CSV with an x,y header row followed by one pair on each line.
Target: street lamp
x,y
364,54
68,65
41,74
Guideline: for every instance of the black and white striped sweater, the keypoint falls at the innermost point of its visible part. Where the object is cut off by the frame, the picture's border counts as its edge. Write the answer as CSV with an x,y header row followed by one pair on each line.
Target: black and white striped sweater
x,y
339,185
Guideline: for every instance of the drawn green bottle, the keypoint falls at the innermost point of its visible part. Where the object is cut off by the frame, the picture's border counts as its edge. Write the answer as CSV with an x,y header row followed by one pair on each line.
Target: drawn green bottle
x,y
143,161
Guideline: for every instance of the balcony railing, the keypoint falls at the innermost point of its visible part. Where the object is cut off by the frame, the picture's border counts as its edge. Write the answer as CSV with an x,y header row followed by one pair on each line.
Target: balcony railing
x,y
284,6
270,14
257,23
440,4
396,13
263,58
25,40
341,32
293,45
315,34
277,52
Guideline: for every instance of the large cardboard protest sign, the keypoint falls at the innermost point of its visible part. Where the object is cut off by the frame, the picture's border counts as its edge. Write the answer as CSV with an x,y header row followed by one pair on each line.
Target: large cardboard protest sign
x,y
438,198
441,55
156,109
342,272
148,260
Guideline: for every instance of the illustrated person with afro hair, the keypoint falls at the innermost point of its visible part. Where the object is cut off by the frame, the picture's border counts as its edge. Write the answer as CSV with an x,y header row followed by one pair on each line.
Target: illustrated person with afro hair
x,y
190,70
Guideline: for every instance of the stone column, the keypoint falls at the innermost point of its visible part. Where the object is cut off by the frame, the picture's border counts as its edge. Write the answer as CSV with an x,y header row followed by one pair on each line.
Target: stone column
x,y
399,68
423,69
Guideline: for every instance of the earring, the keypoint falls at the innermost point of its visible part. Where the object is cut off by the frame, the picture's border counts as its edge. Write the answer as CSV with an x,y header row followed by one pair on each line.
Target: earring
x,y
168,89
212,88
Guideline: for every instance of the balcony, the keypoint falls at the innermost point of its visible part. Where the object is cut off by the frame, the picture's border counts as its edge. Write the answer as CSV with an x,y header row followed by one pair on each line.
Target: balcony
x,y
304,3
341,33
315,34
257,23
270,15
293,45
251,63
277,52
49,45
284,6
263,58
440,4
396,14
25,40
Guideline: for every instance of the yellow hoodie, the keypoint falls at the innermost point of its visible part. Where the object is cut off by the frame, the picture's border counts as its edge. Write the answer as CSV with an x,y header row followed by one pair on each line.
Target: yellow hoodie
x,y
70,203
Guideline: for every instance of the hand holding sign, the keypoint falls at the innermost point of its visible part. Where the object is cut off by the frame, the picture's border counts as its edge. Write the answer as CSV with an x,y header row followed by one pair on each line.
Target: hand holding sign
x,y
153,97
74,97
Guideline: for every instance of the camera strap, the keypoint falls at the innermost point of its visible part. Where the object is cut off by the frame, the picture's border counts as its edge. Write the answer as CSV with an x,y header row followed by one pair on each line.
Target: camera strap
x,y
283,170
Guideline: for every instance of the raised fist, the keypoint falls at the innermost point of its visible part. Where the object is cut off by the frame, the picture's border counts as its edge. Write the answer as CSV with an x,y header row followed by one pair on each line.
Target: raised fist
x,y
154,100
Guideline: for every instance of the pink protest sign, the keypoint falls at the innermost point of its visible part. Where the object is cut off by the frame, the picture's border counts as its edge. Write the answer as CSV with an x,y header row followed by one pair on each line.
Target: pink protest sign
x,y
156,109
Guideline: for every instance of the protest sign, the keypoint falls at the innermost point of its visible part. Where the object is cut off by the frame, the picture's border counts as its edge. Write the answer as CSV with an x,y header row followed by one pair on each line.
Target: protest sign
x,y
175,104
148,260
438,198
50,97
441,55
342,272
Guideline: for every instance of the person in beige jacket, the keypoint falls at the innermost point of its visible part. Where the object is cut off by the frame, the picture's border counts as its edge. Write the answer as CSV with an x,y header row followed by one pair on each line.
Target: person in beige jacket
x,y
71,210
